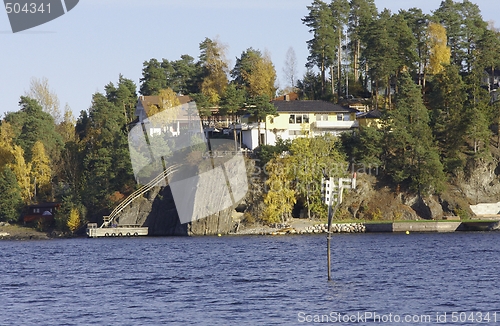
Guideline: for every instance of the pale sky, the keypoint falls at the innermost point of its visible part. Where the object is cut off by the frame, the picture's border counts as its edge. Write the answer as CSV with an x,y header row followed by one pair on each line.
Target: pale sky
x,y
92,44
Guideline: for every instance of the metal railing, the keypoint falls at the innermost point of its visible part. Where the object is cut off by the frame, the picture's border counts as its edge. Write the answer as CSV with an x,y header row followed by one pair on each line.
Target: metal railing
x,y
107,220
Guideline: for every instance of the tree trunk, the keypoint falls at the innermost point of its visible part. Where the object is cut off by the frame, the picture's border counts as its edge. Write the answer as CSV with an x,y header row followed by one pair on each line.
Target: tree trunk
x,y
339,66
333,84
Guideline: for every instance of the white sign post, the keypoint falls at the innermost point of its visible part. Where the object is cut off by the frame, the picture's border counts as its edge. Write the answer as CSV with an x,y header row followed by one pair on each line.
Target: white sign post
x,y
332,193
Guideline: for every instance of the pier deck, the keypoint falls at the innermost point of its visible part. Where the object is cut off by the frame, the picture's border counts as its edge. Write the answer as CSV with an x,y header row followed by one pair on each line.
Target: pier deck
x,y
120,231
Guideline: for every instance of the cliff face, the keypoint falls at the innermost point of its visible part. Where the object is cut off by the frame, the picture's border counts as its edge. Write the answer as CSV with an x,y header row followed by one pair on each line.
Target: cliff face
x,y
477,182
371,201
157,211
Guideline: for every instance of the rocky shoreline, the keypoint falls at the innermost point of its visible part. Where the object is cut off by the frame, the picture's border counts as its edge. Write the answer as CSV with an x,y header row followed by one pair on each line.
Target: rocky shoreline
x,y
17,232
301,226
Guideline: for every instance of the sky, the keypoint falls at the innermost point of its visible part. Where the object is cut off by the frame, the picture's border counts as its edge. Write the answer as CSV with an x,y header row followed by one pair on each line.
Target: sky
x,y
90,46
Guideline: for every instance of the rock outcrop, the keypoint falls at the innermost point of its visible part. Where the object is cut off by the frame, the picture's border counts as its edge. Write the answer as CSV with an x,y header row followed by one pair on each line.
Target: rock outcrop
x,y
157,211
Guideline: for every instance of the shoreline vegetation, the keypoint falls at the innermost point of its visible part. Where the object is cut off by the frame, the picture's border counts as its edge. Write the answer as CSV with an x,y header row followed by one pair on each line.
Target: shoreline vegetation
x,y
428,125
296,226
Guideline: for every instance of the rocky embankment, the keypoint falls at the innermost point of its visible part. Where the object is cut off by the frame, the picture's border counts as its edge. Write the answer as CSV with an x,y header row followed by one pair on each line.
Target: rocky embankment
x,y
16,232
323,228
301,226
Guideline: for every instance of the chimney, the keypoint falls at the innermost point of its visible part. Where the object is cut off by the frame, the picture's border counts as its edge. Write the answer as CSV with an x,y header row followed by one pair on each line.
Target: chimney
x,y
287,97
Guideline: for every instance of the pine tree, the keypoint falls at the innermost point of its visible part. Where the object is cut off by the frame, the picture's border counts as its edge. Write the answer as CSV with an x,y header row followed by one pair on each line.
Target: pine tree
x,y
323,44
449,120
412,154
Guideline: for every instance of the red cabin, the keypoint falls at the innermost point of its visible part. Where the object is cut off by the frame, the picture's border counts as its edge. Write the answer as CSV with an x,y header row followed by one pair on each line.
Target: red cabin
x,y
45,211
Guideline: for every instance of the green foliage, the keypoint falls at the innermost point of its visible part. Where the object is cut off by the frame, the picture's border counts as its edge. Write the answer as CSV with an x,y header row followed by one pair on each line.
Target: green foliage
x,y
449,119
266,152
411,153
31,124
280,197
153,78
10,196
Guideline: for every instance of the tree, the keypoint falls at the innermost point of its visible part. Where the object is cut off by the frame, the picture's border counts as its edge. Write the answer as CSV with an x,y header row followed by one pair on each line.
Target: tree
x,y
67,127
260,107
232,101
186,75
379,52
255,73
323,44
310,85
215,69
439,50
310,157
465,27
41,172
124,96
31,124
447,99
21,170
6,144
74,221
153,78
40,91
340,14
361,15
290,68
477,107
280,196
418,23
487,53
412,156
10,198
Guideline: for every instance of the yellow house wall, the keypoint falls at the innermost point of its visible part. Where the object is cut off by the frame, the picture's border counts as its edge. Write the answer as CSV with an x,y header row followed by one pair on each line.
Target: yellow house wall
x,y
282,120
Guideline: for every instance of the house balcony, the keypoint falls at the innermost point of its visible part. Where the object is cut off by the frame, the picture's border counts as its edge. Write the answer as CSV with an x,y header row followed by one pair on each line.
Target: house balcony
x,y
246,126
341,125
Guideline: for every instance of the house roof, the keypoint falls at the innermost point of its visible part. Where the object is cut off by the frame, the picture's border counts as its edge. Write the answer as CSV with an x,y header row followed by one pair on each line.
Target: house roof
x,y
374,114
146,101
288,97
45,205
311,106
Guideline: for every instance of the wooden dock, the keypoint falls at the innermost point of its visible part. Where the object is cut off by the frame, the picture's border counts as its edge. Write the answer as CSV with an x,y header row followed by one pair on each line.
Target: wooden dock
x,y
119,231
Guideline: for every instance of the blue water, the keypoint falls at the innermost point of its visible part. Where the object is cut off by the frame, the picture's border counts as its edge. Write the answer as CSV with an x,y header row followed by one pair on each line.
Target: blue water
x,y
251,280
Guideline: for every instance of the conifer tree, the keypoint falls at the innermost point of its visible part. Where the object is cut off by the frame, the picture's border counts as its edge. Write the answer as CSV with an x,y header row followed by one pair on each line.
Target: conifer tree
x,y
412,154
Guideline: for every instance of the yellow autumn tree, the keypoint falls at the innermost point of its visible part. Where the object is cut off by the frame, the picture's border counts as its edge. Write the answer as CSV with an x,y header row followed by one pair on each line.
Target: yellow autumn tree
x,y
41,172
168,106
6,144
22,171
67,127
261,78
74,220
216,69
280,197
439,51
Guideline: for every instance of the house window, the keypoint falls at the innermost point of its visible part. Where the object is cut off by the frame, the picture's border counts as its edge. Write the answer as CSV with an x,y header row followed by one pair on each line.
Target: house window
x,y
340,117
347,117
299,118
321,117
36,210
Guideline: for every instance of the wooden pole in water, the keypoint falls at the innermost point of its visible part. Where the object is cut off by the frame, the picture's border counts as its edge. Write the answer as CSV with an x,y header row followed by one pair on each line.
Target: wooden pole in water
x,y
328,239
